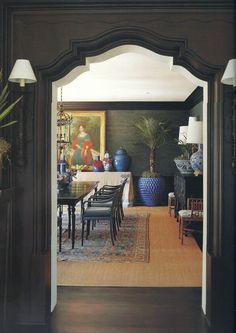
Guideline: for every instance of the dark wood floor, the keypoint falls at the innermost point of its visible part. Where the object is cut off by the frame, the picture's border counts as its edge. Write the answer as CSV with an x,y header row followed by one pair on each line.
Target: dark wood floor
x,y
128,310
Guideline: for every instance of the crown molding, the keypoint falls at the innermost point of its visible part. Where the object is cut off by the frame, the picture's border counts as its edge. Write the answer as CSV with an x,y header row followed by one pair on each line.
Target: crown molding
x,y
195,98
111,5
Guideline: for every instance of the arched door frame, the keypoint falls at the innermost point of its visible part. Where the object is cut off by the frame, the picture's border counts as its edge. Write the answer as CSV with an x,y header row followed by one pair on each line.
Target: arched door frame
x,y
182,56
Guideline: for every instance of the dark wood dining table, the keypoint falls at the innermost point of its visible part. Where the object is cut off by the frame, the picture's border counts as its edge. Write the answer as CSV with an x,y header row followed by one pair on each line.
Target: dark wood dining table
x,y
70,196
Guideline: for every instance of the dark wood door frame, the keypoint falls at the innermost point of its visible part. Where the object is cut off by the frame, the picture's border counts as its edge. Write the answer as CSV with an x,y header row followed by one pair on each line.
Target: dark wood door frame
x,y
37,295
182,56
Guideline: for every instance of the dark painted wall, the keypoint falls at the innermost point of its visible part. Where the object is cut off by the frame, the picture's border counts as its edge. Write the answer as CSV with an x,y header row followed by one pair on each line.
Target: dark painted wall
x,y
121,132
196,111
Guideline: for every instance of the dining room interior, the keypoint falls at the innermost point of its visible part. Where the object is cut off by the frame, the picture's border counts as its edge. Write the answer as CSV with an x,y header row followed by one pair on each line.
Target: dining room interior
x,y
113,90
135,65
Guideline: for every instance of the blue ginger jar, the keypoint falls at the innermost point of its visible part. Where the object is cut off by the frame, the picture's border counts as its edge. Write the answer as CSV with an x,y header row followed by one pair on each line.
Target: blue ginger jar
x,y
121,160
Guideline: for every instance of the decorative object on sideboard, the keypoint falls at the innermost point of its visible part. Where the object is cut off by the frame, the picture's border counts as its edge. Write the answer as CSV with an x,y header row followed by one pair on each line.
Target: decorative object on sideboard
x,y
182,161
153,133
229,77
195,136
121,160
107,162
98,165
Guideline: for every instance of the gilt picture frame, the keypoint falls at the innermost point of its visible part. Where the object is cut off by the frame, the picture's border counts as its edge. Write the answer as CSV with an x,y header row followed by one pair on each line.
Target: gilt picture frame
x,y
87,138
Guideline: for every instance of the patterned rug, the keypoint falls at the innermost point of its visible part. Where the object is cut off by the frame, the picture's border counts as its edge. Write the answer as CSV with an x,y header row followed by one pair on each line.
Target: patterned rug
x,y
132,244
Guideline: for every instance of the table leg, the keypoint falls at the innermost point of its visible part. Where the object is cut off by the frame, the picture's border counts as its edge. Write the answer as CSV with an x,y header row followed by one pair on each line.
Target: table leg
x,y
73,226
69,221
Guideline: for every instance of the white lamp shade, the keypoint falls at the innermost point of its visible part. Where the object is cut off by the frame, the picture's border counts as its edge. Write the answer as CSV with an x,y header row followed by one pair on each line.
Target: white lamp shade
x,y
183,132
22,72
229,76
195,132
190,119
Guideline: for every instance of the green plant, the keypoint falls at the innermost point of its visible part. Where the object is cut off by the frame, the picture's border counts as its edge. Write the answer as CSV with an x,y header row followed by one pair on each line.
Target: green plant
x,y
187,149
5,107
153,133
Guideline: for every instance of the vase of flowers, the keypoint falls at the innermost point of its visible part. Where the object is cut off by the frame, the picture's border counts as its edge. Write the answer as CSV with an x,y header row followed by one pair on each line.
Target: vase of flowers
x,y
182,161
64,179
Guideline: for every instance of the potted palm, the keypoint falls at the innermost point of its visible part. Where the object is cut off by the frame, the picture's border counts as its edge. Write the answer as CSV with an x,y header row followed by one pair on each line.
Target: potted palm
x,y
153,134
5,109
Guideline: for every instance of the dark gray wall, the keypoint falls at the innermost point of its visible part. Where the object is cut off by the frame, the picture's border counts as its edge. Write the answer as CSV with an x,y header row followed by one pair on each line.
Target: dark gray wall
x,y
120,131
196,111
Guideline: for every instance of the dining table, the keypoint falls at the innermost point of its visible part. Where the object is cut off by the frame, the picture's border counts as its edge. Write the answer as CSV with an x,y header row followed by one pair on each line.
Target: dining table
x,y
70,196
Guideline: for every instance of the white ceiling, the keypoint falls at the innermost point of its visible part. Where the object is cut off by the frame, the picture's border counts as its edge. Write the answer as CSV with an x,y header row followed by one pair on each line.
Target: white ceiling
x,y
127,73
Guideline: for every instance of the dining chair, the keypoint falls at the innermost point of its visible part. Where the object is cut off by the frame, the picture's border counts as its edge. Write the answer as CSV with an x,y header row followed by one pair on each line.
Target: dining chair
x,y
108,189
97,209
191,219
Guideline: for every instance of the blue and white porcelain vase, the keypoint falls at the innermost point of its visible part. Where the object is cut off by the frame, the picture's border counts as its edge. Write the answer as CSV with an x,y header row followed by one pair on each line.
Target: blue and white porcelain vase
x,y
184,166
121,160
196,160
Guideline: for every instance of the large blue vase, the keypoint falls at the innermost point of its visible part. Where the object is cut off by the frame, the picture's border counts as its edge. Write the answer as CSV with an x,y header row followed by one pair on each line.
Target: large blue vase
x,y
121,160
151,190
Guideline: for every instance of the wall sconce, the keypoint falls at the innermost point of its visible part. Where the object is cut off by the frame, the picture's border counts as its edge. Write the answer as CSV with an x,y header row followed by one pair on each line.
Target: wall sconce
x,y
22,73
229,77
195,135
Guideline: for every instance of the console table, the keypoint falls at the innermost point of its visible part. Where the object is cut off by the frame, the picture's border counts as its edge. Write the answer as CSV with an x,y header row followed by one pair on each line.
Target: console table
x,y
111,178
188,186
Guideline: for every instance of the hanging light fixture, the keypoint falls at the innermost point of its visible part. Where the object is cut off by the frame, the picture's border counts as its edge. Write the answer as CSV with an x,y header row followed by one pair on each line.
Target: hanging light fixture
x,y
64,121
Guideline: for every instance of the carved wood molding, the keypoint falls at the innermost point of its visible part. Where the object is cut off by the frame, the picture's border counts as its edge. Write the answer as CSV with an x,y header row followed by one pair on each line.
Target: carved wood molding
x,y
111,5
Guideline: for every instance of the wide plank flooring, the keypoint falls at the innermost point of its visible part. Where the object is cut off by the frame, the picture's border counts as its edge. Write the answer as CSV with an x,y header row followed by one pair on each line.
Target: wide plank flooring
x,y
128,310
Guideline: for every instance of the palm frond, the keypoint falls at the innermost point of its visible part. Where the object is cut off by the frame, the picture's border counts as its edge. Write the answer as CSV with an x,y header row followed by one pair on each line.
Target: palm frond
x,y
152,132
5,109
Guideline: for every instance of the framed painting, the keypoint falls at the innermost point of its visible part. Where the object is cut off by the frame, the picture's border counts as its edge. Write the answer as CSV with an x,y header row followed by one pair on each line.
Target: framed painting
x,y
87,138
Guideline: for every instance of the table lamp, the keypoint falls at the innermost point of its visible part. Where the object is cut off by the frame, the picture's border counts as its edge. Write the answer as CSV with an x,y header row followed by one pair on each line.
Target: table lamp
x,y
195,135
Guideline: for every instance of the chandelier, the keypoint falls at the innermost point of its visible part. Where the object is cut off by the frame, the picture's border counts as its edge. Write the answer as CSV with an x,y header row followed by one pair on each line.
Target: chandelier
x,y
64,121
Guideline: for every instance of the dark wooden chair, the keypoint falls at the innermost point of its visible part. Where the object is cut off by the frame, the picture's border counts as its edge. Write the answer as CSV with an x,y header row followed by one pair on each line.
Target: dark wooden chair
x,y
191,219
100,208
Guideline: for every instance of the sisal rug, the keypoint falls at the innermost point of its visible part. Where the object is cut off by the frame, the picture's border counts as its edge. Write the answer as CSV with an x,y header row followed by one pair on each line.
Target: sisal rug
x,y
132,244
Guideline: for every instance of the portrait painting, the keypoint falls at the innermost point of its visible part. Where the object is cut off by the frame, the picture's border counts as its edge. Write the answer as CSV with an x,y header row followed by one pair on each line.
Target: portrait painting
x,y
87,138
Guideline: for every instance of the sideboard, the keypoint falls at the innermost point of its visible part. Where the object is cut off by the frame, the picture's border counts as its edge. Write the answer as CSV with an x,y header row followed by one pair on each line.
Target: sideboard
x,y
188,186
111,178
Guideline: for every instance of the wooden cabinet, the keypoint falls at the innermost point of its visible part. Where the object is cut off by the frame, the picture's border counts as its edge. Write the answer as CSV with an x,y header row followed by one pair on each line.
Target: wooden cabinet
x,y
187,187
6,255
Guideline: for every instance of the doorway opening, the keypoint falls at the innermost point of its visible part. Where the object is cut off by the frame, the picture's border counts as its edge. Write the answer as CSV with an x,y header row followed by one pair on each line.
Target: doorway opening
x,y
101,59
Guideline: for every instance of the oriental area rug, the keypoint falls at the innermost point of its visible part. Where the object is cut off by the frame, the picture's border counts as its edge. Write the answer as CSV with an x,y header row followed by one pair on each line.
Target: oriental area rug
x,y
132,244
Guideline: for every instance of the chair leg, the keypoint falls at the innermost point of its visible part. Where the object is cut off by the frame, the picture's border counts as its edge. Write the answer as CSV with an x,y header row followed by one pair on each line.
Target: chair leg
x,y
182,232
88,229
59,221
112,231
82,232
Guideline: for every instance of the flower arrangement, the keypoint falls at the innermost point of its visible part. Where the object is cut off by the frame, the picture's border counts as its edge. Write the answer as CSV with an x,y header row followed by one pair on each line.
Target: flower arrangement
x,y
64,179
4,147
187,149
